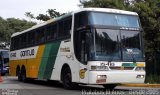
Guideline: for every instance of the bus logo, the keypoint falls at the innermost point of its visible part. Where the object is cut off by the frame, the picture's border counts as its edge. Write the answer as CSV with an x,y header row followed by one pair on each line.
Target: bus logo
x,y
82,73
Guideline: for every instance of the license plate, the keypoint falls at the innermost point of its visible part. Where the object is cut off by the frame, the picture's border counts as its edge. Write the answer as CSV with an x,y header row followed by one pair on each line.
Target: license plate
x,y
101,81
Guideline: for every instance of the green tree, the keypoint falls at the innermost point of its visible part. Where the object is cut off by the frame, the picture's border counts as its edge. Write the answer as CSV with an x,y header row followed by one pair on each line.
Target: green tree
x,y
149,12
12,25
104,3
28,14
3,29
51,13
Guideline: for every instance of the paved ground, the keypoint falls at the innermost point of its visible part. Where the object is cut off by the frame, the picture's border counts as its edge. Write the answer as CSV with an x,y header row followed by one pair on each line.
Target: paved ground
x,y
10,86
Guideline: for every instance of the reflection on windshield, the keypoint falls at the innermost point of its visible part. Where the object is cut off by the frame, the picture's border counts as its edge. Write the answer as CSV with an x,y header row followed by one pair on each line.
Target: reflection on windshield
x,y
131,45
117,45
107,44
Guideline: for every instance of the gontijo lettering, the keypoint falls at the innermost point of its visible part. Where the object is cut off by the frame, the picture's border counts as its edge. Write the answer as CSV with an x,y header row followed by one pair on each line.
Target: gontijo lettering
x,y
27,53
13,55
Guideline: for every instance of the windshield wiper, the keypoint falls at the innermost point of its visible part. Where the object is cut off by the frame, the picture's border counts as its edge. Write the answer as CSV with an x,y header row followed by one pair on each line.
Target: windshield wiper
x,y
130,52
132,55
111,58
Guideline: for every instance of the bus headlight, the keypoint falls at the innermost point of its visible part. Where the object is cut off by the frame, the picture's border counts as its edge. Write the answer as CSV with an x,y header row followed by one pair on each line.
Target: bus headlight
x,y
140,76
140,69
101,76
99,68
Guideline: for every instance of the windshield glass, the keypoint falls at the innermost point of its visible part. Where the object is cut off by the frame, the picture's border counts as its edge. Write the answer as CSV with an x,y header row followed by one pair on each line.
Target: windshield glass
x,y
131,48
117,45
99,18
107,44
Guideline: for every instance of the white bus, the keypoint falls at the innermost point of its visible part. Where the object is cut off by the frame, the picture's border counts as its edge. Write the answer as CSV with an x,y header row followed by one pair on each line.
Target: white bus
x,y
90,46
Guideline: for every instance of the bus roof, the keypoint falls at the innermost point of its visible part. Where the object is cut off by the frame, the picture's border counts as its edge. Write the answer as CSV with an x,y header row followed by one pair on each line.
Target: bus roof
x,y
108,10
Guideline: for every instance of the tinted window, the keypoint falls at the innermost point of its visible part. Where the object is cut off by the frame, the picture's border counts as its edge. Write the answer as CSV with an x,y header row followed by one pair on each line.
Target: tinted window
x,y
81,19
23,40
60,29
67,26
64,28
40,36
12,43
57,29
16,42
51,32
31,38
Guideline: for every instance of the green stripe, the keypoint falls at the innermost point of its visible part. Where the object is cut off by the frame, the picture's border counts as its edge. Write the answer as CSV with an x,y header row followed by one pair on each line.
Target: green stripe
x,y
48,60
129,64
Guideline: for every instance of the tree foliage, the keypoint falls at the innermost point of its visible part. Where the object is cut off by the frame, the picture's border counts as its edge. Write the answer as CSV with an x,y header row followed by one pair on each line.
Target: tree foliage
x,y
149,13
12,25
104,3
51,13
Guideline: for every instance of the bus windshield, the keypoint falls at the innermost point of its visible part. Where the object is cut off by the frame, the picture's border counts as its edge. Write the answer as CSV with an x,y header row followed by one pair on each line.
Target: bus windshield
x,y
110,19
108,37
117,45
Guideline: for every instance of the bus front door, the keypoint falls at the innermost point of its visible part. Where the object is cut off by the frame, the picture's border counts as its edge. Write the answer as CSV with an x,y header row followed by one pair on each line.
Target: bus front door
x,y
83,57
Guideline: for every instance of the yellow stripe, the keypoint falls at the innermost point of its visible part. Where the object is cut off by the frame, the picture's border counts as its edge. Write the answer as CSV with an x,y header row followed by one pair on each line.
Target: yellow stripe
x,y
31,65
140,64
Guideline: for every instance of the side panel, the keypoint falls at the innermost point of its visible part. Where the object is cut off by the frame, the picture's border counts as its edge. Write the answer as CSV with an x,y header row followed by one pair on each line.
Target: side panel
x,y
33,65
48,60
65,56
31,61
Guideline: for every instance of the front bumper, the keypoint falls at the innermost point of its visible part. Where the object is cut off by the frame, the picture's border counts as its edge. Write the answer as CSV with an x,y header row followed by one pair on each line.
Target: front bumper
x,y
115,77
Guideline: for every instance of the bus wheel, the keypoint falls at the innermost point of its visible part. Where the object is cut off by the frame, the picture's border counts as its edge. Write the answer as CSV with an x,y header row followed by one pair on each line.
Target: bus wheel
x,y
2,74
67,79
109,86
18,73
23,75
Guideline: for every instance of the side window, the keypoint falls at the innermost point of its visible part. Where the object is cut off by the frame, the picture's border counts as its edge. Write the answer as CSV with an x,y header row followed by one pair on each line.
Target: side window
x,y
60,29
12,43
40,36
67,26
31,38
81,19
51,32
64,27
23,41
17,42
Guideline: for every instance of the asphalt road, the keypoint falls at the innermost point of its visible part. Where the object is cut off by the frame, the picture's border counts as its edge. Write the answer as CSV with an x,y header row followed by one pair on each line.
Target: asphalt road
x,y
11,86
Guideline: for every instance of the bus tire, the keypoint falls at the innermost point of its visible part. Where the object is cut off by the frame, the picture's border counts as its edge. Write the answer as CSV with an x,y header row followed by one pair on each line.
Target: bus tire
x,y
109,86
23,74
67,79
18,73
2,74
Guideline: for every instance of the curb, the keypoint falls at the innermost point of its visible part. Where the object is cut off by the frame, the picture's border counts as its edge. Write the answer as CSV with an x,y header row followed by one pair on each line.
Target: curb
x,y
141,85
